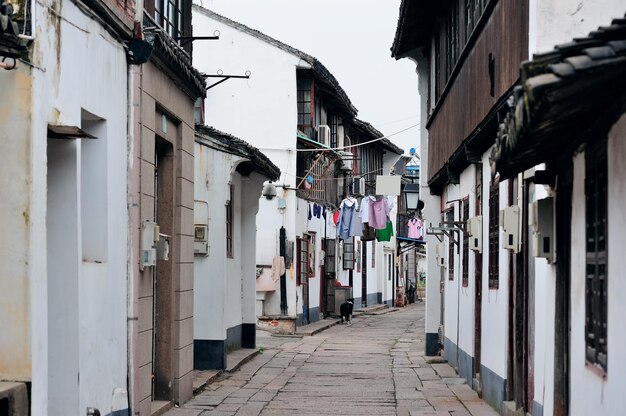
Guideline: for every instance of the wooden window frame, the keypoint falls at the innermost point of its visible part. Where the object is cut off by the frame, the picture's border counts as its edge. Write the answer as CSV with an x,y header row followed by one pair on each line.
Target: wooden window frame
x,y
302,264
306,106
348,254
229,223
494,235
596,250
449,217
465,277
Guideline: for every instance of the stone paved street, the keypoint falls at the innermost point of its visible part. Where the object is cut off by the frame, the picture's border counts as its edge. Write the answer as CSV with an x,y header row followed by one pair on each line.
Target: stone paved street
x,y
374,367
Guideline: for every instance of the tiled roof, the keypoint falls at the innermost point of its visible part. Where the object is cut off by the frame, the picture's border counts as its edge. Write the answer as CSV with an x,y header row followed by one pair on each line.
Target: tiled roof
x,y
577,87
371,131
177,63
236,146
415,24
318,68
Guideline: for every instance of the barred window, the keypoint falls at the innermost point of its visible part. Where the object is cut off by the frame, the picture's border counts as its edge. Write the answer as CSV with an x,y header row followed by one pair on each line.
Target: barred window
x,y
449,219
229,224
494,235
348,254
302,247
596,281
465,244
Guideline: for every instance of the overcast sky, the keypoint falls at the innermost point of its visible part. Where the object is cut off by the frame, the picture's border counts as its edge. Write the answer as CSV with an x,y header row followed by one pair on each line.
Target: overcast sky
x,y
352,39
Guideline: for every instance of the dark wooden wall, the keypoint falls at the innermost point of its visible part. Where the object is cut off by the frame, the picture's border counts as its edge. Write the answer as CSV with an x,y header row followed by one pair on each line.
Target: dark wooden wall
x,y
468,99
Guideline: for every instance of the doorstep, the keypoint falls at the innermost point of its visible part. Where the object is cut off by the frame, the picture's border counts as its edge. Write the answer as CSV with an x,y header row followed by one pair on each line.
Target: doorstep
x,y
368,310
234,360
315,327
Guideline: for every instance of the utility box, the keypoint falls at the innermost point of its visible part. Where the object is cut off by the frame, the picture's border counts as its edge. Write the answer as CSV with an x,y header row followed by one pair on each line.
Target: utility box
x,y
149,239
440,254
510,224
201,239
342,293
475,230
541,218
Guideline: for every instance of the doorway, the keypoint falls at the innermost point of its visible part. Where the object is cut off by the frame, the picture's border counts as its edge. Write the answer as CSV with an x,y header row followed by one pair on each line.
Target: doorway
x,y
364,275
478,278
163,290
562,323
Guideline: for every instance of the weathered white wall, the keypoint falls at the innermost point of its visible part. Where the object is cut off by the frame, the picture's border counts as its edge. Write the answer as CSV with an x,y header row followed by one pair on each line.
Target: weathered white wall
x,y
272,80
494,339
15,226
553,22
590,393
92,78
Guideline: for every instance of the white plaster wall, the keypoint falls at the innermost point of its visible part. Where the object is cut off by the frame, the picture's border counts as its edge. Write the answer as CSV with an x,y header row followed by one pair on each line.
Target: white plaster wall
x,y
85,68
494,339
552,22
211,186
235,107
16,283
545,292
589,393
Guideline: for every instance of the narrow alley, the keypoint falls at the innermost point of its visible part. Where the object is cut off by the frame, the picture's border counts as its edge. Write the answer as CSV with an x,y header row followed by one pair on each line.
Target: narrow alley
x,y
375,366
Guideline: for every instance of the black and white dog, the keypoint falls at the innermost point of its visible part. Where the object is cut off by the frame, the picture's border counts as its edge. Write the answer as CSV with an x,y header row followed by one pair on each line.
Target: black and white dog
x,y
346,310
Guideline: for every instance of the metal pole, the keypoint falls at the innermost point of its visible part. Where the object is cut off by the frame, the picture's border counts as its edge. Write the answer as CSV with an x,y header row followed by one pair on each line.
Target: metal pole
x,y
283,277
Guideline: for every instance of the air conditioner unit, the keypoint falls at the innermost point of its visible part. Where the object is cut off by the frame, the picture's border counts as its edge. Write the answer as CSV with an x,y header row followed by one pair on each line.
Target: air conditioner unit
x,y
475,230
163,247
358,186
323,134
347,161
201,239
541,218
510,225
440,254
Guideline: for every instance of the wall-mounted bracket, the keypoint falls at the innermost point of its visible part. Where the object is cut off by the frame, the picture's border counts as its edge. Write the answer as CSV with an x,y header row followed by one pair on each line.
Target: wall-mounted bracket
x,y
224,77
447,228
186,39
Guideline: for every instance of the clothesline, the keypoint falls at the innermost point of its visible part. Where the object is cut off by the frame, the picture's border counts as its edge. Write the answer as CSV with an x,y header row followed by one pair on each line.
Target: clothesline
x,y
332,179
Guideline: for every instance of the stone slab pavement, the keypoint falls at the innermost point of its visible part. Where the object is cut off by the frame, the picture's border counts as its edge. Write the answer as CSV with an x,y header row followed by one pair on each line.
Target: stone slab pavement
x,y
375,366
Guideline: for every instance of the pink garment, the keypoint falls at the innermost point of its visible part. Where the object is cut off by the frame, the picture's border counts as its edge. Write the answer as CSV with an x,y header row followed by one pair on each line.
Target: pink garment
x,y
415,228
378,214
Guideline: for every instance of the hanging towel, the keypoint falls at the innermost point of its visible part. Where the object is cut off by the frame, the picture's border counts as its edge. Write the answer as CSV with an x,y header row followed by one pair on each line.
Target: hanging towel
x,y
386,233
278,267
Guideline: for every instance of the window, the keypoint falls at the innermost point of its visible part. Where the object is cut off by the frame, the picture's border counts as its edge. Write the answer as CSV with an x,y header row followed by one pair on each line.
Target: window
x,y
302,245
450,219
373,254
333,124
169,15
348,254
229,223
465,244
596,281
305,100
494,235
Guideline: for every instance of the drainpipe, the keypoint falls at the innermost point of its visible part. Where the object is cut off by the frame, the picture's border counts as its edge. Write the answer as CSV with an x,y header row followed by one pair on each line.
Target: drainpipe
x,y
134,135
283,277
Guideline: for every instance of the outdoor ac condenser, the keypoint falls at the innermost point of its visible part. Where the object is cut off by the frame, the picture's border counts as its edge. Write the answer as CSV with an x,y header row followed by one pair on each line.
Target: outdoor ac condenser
x,y
323,134
510,225
440,254
475,230
358,186
541,218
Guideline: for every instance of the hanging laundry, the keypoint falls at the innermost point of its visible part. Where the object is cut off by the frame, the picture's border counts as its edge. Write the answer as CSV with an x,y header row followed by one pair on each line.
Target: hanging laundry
x,y
336,217
378,212
415,228
369,233
324,212
317,210
309,212
366,202
386,233
278,267
350,224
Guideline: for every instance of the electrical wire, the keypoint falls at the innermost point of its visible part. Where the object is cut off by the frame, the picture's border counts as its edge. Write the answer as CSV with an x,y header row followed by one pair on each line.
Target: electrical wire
x,y
326,149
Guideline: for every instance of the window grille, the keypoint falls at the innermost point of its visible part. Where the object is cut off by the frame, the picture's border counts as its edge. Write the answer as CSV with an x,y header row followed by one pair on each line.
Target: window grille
x,y
596,281
465,244
229,223
494,235
348,254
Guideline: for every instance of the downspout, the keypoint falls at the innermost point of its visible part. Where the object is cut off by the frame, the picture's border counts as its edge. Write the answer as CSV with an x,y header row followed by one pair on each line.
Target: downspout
x,y
283,277
134,99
